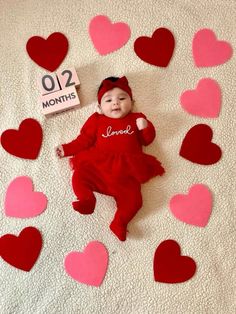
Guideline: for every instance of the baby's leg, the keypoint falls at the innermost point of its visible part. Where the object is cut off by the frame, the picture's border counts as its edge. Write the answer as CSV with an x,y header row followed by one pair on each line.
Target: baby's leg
x,y
129,200
83,190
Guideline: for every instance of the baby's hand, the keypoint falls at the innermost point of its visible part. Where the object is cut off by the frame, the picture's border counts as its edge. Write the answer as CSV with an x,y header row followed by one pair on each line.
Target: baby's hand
x,y
59,151
141,123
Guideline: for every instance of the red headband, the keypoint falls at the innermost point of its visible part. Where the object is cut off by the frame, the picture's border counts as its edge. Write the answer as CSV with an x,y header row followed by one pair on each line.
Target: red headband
x,y
107,85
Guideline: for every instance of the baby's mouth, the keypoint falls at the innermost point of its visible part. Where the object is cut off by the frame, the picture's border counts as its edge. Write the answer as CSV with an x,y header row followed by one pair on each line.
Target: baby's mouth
x,y
116,109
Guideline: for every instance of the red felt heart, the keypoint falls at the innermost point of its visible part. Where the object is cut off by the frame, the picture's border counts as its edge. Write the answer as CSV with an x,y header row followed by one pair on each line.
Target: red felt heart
x,y
26,142
156,50
197,146
48,53
22,251
170,266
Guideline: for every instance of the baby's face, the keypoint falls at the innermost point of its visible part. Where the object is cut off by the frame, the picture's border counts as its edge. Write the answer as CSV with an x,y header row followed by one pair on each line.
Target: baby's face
x,y
116,103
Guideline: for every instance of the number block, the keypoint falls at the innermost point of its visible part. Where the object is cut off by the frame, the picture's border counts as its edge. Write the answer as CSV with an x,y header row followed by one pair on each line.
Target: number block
x,y
62,100
48,83
58,92
68,78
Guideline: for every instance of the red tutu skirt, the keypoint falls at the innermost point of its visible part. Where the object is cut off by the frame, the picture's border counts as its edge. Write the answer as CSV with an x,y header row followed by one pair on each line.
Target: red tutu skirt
x,y
118,165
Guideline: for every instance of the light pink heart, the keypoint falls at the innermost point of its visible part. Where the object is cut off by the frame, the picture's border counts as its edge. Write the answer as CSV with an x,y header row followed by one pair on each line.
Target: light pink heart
x,y
108,37
208,51
90,266
193,208
21,201
204,101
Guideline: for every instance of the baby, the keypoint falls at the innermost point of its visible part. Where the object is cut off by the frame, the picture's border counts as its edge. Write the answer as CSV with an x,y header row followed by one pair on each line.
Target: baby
x,y
108,156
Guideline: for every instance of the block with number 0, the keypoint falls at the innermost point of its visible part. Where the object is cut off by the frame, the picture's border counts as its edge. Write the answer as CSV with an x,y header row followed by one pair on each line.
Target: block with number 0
x,y
48,83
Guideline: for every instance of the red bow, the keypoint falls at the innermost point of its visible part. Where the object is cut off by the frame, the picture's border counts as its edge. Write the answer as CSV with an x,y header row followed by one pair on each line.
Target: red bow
x,y
107,85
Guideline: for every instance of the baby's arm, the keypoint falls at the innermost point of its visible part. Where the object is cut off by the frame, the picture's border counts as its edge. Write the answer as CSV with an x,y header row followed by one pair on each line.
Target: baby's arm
x,y
85,140
147,131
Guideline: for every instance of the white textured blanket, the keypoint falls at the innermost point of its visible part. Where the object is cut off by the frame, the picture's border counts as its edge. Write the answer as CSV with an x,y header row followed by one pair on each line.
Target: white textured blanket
x,y
129,285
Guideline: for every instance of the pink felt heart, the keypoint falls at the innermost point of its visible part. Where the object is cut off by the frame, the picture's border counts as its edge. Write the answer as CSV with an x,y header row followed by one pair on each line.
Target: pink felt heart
x,y
204,101
108,37
193,208
90,266
21,201
208,51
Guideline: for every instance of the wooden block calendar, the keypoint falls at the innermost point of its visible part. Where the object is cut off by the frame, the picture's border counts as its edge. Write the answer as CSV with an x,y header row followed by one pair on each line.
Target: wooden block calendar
x,y
58,91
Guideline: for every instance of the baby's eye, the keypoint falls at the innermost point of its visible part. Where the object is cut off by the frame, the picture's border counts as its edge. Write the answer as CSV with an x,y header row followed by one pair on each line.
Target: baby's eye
x,y
108,100
122,98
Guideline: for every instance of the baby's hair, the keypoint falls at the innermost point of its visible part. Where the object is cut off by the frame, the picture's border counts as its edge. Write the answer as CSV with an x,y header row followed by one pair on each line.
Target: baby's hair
x,y
110,78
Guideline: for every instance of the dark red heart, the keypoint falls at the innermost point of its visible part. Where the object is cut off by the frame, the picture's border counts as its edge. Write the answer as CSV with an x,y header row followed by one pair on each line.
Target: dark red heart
x,y
48,53
22,251
26,142
169,266
156,50
197,146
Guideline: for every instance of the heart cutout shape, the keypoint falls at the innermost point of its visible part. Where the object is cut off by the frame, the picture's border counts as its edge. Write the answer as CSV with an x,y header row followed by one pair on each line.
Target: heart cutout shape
x,y
107,36
193,208
204,101
208,51
25,142
22,251
48,53
171,267
197,146
156,50
90,266
21,201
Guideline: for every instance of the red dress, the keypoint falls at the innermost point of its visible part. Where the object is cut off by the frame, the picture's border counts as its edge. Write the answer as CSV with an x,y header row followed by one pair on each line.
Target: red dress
x,y
113,147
